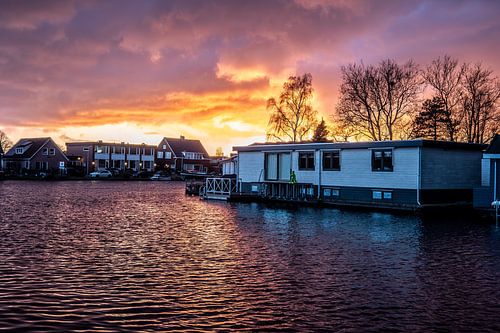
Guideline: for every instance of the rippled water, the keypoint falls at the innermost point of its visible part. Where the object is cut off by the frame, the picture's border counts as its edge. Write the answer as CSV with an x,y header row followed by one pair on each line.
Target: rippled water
x,y
128,256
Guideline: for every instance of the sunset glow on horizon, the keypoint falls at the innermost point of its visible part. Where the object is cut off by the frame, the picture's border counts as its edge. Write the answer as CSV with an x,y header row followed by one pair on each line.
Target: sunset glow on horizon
x,y
137,71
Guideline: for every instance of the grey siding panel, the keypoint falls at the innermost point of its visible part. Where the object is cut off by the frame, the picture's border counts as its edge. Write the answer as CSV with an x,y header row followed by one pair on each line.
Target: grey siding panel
x,y
450,169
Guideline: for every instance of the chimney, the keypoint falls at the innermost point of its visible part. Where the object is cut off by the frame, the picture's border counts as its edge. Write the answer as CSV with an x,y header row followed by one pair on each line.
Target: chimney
x,y
182,137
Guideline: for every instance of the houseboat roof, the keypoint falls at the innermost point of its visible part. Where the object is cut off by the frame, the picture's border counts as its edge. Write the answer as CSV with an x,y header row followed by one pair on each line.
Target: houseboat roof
x,y
79,143
179,145
30,145
494,147
269,146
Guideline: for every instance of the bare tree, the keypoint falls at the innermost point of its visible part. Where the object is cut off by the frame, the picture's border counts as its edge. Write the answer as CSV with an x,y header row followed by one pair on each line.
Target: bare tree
x,y
445,75
376,100
293,117
481,93
5,142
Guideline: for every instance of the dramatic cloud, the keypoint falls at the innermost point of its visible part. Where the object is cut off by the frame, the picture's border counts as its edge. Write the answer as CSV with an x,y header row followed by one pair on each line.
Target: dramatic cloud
x,y
140,70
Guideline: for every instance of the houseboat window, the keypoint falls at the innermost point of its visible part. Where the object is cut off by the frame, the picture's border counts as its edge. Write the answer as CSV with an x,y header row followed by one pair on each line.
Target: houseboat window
x,y
331,192
19,150
272,166
306,160
277,166
45,151
52,151
382,160
379,195
331,160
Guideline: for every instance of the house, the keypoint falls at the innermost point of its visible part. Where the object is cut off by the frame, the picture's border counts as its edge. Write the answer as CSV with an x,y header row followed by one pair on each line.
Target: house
x,y
398,174
182,155
32,155
489,190
99,155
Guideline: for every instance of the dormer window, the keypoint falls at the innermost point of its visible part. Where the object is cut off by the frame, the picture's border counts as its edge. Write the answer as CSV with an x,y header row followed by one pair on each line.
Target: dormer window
x,y
19,151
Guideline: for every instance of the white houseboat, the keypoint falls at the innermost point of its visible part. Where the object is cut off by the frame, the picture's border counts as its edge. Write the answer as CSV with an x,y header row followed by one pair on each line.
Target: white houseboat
x,y
407,174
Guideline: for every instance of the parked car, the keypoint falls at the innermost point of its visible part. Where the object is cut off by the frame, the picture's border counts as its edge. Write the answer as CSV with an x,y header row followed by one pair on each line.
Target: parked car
x,y
142,174
101,174
114,171
160,175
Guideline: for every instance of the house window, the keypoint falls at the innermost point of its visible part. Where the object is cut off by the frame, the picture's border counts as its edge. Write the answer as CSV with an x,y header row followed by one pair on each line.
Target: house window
x,y
382,160
168,155
331,160
85,148
133,151
160,154
52,151
147,165
306,160
381,195
192,156
102,164
278,166
102,149
164,147
19,150
45,151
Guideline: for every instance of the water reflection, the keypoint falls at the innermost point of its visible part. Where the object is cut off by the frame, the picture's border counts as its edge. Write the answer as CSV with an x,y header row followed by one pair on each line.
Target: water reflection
x,y
102,256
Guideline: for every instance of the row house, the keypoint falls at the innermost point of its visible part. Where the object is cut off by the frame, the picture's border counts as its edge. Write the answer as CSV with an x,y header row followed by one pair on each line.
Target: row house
x,y
182,155
98,155
33,155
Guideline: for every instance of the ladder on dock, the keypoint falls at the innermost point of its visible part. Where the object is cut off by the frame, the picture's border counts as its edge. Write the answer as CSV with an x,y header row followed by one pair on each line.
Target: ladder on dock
x,y
219,188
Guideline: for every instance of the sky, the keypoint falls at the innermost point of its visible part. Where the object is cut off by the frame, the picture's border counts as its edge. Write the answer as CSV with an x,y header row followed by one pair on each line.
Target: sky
x,y
137,71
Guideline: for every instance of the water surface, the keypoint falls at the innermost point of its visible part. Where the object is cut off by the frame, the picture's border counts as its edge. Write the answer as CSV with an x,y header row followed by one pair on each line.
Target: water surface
x,y
125,256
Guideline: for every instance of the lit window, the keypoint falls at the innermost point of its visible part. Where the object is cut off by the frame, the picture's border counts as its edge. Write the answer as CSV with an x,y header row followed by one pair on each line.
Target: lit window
x,y
381,195
164,146
168,155
160,154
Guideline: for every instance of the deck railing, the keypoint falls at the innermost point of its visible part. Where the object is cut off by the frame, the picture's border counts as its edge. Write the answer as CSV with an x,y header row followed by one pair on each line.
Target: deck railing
x,y
220,186
288,191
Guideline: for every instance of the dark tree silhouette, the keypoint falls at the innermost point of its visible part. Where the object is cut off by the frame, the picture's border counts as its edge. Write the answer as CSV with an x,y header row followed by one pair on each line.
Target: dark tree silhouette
x,y
293,116
481,93
445,75
321,132
430,122
376,101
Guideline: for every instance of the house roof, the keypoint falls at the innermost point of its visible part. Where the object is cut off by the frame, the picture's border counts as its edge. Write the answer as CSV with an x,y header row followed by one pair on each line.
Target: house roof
x,y
101,143
361,145
30,145
494,147
179,145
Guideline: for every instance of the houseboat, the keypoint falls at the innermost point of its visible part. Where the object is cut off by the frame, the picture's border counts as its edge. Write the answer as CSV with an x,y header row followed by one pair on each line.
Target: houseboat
x,y
409,174
488,192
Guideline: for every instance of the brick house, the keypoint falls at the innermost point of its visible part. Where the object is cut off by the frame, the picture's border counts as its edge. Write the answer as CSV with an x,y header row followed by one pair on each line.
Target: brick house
x,y
31,155
182,155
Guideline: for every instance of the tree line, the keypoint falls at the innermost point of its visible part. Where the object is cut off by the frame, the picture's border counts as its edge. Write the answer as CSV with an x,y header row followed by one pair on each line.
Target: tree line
x,y
445,100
